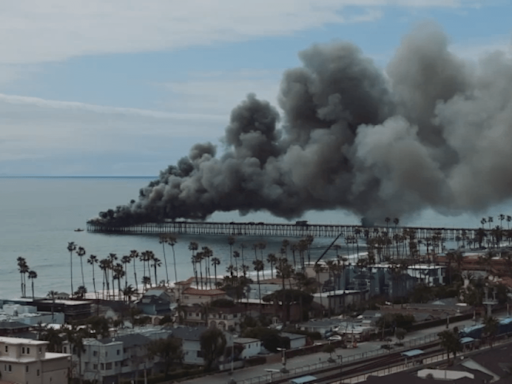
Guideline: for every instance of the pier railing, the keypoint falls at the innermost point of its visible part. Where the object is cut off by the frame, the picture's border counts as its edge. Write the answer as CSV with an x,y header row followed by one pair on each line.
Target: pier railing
x,y
281,230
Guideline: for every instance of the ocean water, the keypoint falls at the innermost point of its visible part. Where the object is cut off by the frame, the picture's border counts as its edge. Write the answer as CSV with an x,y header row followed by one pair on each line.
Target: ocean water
x,y
38,217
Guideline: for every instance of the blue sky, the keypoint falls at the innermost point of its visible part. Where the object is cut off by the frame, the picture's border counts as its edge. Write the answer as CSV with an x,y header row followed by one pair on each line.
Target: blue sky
x,y
118,87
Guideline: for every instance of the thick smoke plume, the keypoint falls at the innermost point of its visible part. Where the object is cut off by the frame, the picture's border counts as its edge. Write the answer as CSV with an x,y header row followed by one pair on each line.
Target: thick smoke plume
x,y
432,131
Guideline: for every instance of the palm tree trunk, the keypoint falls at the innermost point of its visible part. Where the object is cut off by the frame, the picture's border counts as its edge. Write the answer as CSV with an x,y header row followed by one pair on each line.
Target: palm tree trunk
x,y
165,261
82,269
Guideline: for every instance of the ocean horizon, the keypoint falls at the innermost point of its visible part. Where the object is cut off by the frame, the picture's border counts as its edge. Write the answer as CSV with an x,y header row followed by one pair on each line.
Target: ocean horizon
x,y
40,214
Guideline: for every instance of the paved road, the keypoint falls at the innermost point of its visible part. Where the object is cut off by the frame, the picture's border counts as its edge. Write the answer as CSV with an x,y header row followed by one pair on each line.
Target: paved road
x,y
302,361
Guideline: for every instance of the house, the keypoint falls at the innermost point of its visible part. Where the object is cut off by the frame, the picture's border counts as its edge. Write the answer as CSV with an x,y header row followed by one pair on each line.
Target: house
x,y
338,300
251,347
225,318
9,328
155,301
27,361
296,340
123,355
29,315
191,345
191,296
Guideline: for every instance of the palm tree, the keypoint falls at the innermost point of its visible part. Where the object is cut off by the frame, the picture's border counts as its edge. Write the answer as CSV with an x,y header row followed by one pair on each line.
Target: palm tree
x,y
118,274
129,292
319,268
501,217
156,264
112,258
242,247
396,221
489,221
126,260
199,260
284,271
23,269
172,240
193,246
91,261
163,240
387,220
146,281
52,295
231,241
215,262
258,267
81,253
272,260
71,249
32,275
451,343
236,256
134,255
207,253
509,219
104,266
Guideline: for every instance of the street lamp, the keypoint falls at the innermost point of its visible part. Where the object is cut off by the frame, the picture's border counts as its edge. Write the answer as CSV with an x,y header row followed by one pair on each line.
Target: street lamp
x,y
283,359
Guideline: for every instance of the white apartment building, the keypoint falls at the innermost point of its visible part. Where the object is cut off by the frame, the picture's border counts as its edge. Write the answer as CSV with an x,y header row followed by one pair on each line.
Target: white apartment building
x,y
26,361
123,355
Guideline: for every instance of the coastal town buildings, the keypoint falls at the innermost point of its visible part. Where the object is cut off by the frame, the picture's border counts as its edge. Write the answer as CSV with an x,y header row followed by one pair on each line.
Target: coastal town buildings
x,y
27,361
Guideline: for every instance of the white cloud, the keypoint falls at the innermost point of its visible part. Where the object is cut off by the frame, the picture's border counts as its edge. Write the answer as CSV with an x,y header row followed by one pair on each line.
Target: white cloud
x,y
475,49
33,31
217,93
53,137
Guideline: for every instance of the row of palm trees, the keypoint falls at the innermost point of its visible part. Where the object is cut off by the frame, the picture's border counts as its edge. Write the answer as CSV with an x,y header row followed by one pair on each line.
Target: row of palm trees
x,y
25,272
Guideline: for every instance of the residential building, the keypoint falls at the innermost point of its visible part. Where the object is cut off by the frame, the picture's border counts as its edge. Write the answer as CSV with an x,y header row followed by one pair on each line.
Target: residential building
x,y
251,347
191,345
296,340
191,296
156,301
337,301
27,361
122,355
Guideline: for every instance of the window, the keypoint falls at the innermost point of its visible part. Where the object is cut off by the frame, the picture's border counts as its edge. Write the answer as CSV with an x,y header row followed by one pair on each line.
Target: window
x,y
10,368
118,352
38,372
22,349
95,366
102,366
28,350
109,366
40,350
94,353
65,349
6,348
26,368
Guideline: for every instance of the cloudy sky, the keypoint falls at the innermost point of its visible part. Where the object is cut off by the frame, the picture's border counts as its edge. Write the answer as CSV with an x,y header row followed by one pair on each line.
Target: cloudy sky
x,y
124,87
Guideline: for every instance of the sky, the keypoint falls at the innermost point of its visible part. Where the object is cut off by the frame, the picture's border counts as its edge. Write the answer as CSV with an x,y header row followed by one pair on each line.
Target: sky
x,y
125,88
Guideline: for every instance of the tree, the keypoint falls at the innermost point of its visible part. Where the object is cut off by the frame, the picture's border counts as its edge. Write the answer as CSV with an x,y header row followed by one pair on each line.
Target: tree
x,y
163,240
32,275
23,269
271,259
156,264
215,261
172,240
258,267
490,327
450,342
71,249
284,271
330,349
168,350
213,342
400,334
81,253
134,255
231,241
193,247
129,292
91,261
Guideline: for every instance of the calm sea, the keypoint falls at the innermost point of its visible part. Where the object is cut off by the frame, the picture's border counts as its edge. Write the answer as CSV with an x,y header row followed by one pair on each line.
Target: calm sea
x,y
38,217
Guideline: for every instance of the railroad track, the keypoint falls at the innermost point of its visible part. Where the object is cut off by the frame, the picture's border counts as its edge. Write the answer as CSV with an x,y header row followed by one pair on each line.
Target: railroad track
x,y
354,368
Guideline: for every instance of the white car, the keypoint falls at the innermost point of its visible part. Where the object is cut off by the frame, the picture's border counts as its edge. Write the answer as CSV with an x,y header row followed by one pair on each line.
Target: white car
x,y
335,338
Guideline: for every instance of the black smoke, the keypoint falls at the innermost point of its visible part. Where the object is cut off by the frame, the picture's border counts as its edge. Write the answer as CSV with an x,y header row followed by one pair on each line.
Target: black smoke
x,y
430,131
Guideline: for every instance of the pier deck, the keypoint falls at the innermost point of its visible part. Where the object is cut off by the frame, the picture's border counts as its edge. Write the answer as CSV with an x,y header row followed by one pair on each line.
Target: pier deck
x,y
282,230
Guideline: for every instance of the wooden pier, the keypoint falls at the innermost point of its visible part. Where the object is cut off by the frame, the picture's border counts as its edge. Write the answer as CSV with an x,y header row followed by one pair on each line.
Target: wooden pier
x,y
283,230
